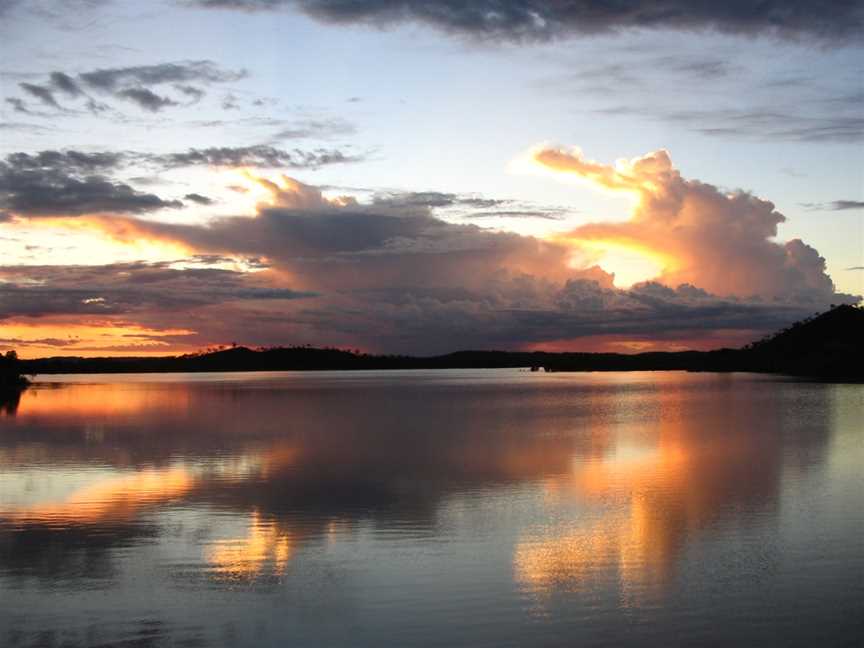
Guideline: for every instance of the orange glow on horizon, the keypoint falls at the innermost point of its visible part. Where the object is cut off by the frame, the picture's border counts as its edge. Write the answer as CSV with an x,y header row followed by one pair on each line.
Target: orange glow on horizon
x,y
65,336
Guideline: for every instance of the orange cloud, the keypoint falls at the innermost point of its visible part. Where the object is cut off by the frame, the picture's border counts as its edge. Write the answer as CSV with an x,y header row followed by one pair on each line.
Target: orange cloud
x,y
719,242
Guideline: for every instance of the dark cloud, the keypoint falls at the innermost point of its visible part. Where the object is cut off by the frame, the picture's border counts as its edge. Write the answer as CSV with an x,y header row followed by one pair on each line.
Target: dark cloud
x,y
198,198
112,79
194,94
69,183
137,84
257,156
837,205
539,20
146,99
43,94
125,288
66,84
69,160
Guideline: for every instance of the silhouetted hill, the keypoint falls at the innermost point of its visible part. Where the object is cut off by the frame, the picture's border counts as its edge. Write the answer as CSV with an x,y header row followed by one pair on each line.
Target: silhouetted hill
x,y
830,345
826,346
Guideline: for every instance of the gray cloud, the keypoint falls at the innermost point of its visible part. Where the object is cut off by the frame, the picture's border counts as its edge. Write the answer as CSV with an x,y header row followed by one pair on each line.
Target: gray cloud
x,y
19,106
70,183
194,94
66,84
146,99
198,198
43,94
135,83
539,20
754,123
257,156
467,206
112,79
837,205
125,288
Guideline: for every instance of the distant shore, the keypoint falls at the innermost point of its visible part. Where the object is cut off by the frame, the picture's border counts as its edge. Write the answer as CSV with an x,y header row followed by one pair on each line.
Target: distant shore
x,y
827,346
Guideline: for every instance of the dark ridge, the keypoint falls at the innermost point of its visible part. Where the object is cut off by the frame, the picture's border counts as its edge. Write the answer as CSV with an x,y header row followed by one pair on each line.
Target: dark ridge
x,y
827,346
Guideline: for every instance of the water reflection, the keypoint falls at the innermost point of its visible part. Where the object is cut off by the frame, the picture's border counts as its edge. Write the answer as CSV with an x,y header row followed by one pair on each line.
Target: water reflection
x,y
701,456
599,483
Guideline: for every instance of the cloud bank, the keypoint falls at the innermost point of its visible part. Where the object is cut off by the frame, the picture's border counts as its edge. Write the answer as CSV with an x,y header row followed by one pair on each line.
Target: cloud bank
x,y
539,20
389,275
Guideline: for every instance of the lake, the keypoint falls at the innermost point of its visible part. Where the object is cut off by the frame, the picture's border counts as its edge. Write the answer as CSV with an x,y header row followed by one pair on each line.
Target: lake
x,y
432,508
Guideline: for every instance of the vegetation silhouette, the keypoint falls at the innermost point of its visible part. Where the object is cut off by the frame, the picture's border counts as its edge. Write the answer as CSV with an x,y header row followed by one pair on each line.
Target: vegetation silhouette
x,y
12,383
825,346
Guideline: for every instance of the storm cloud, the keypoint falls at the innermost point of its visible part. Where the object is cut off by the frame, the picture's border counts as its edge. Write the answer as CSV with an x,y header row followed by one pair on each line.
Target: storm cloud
x,y
392,276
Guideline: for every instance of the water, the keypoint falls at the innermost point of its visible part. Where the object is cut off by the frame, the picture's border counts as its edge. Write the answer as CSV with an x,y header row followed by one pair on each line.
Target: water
x,y
483,508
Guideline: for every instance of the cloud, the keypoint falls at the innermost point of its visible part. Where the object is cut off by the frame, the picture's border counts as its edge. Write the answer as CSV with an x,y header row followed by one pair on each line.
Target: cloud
x,y
257,156
316,128
203,71
753,123
146,99
69,183
198,198
127,288
19,106
392,276
136,84
837,205
539,20
722,242
43,94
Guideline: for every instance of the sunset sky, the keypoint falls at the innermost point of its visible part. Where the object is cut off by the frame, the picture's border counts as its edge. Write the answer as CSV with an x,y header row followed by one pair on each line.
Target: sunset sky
x,y
407,176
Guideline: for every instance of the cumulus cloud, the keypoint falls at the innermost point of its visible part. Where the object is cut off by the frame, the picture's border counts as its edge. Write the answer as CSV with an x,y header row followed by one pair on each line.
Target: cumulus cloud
x,y
538,20
391,276
719,241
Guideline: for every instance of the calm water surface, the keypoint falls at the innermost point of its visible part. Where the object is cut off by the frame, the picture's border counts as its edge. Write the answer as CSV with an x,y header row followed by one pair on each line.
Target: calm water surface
x,y
448,508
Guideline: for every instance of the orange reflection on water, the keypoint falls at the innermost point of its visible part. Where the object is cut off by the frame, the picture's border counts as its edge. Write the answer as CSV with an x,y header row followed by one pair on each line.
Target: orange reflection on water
x,y
101,400
264,548
649,501
110,500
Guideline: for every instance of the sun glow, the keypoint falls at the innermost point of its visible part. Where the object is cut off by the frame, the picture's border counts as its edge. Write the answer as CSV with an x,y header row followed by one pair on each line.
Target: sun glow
x,y
629,263
67,336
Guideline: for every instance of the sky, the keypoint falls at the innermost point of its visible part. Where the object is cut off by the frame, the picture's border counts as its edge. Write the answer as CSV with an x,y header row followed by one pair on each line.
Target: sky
x,y
400,176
